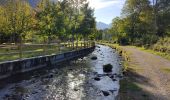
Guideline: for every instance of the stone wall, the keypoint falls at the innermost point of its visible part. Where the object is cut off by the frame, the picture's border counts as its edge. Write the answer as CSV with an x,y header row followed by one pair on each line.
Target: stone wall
x,y
20,66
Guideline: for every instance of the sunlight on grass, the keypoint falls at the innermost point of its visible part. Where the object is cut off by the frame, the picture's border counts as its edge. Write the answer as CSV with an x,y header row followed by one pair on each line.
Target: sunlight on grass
x,y
39,50
165,55
166,70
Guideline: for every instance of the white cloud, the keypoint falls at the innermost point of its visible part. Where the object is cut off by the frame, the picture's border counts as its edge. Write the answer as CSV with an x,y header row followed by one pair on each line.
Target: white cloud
x,y
99,4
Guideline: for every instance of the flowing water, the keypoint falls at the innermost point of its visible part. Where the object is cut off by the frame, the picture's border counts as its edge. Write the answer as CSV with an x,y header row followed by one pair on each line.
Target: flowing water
x,y
83,79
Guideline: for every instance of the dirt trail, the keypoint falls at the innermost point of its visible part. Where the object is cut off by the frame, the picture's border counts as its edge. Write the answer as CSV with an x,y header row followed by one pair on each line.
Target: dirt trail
x,y
152,73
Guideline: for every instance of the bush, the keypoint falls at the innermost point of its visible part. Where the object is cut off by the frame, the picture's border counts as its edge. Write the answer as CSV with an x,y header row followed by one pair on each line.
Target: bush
x,y
163,45
123,41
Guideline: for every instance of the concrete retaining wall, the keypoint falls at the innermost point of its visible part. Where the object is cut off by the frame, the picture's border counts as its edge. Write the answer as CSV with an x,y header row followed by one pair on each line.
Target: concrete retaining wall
x,y
20,66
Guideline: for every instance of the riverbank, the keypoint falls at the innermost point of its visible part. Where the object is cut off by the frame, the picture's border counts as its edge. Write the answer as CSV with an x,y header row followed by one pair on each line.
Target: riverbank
x,y
147,76
82,79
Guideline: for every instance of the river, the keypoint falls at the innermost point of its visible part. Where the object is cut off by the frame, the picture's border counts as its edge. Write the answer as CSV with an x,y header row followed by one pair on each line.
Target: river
x,y
82,79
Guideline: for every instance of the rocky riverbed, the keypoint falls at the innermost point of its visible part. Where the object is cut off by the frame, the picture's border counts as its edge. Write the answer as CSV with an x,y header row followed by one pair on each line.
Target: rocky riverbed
x,y
83,79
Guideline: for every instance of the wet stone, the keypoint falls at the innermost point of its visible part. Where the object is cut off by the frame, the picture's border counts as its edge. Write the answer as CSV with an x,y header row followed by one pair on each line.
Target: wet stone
x,y
93,58
50,76
95,73
114,79
76,89
120,76
97,79
115,74
98,46
112,91
111,76
7,95
26,96
107,68
144,95
15,97
124,73
105,93
56,72
100,75
35,92
70,69
47,87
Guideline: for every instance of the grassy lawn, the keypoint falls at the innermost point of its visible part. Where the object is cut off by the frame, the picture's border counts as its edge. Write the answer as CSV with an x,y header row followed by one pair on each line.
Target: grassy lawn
x,y
165,55
11,52
162,54
38,52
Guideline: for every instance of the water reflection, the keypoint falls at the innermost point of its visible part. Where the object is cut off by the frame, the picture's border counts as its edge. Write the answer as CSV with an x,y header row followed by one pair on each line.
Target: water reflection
x,y
71,81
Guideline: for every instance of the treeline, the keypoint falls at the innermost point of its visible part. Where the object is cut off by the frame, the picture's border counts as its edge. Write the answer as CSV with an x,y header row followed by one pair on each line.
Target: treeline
x,y
142,23
50,20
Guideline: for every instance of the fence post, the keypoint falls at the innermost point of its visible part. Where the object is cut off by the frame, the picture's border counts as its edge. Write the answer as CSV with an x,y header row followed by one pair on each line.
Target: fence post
x,y
81,45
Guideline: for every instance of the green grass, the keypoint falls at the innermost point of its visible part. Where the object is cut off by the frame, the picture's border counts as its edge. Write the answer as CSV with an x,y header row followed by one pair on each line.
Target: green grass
x,y
39,52
15,48
162,54
166,70
34,50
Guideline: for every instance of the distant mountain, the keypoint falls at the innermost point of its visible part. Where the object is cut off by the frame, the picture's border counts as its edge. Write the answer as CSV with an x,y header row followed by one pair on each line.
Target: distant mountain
x,y
2,2
102,26
33,3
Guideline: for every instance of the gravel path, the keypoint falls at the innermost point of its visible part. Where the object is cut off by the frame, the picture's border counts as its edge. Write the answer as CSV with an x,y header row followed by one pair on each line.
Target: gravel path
x,y
153,73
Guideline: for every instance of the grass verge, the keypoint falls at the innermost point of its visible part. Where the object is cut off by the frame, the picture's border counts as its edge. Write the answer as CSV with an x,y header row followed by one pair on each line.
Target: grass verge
x,y
162,54
129,87
166,70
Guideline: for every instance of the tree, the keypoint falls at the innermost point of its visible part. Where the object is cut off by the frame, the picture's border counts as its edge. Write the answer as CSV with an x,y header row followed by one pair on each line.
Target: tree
x,y
161,11
88,25
137,14
76,19
18,18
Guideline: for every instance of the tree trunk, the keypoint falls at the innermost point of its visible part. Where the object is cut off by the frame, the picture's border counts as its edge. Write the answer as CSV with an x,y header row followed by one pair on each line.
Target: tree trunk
x,y
155,16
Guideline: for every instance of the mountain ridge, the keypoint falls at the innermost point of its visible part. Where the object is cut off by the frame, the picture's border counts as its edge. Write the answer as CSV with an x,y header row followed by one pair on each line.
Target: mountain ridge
x,y
102,25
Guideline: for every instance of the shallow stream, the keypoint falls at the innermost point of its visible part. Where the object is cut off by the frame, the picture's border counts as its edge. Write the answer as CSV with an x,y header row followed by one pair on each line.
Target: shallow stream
x,y
83,79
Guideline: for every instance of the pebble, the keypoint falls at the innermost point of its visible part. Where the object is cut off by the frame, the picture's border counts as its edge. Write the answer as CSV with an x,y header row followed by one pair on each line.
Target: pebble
x,y
105,93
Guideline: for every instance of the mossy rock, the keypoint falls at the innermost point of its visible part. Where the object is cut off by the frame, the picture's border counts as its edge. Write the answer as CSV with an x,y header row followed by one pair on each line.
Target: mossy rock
x,y
107,68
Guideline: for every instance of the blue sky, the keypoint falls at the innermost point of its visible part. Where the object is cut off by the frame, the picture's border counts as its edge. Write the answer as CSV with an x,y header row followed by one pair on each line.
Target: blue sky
x,y
106,10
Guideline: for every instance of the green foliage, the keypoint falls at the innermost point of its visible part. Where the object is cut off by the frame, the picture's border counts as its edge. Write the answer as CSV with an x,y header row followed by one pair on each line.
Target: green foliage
x,y
16,18
48,20
88,25
163,45
140,24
